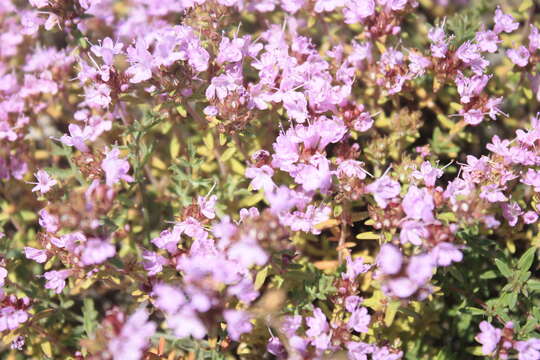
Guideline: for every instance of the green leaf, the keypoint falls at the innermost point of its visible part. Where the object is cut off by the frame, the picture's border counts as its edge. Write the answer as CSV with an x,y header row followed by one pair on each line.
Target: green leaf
x,y
503,268
526,260
390,313
475,311
89,316
261,277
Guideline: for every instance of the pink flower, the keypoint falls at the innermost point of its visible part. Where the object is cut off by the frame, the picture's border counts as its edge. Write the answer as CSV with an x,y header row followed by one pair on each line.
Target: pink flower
x,y
115,168
528,349
488,40
44,182
48,221
168,298
11,318
445,253
97,96
511,211
389,259
39,256
428,173
134,337
359,320
384,189
470,87
418,204
3,275
530,217
96,251
153,262
534,39
519,56
354,268
207,206
238,323
56,280
489,337
77,136
141,61
504,22
262,177
107,49
355,11
186,322
328,5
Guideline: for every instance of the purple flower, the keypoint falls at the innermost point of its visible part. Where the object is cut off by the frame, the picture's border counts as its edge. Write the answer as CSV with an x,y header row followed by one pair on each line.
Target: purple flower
x,y
511,212
115,168
141,61
317,324
134,337
352,302
328,5
470,87
359,350
489,337
97,96
262,177
186,322
77,136
44,182
168,298
47,221
504,22
207,206
354,268
528,349
470,54
418,204
445,253
153,262
276,348
389,259
519,56
492,193
413,232
56,280
534,39
530,217
107,49
11,318
428,173
39,256
167,240
359,320
3,275
420,268
316,175
488,40
238,323
402,286
96,251
356,11
384,189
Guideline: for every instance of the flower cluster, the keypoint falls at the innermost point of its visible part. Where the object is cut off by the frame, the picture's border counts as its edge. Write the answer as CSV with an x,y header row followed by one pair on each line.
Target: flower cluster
x,y
289,179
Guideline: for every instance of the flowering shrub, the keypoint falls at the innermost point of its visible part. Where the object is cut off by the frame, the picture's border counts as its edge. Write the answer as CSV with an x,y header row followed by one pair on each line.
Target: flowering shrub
x,y
270,179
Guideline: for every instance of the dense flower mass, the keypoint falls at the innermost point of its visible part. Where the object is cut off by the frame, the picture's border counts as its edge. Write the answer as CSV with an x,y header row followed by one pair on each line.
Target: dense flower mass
x,y
270,179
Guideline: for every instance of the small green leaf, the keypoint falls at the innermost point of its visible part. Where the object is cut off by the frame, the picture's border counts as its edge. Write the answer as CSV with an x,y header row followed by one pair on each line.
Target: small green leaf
x,y
526,260
390,313
368,235
261,277
503,268
475,311
89,316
